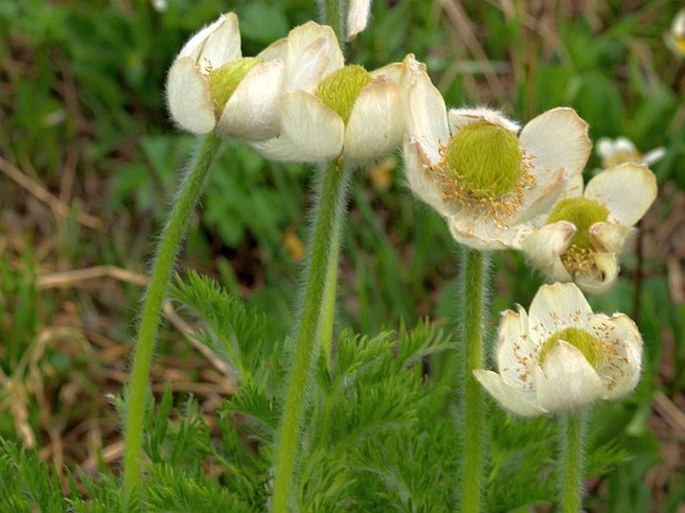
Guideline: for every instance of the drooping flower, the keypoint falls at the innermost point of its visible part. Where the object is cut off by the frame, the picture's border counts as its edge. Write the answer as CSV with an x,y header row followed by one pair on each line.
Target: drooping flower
x,y
210,85
476,169
352,113
561,356
621,150
675,39
586,230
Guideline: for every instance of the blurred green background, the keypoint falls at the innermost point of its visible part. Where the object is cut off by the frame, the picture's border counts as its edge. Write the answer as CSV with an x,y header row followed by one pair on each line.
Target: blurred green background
x,y
89,161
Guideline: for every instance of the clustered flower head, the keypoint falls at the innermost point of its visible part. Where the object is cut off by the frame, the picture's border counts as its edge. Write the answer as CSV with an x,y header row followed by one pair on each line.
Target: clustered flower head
x,y
482,174
561,356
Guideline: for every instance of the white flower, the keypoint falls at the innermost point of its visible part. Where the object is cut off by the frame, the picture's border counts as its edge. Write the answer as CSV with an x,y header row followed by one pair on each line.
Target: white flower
x,y
471,167
211,86
352,112
586,230
561,356
675,39
621,150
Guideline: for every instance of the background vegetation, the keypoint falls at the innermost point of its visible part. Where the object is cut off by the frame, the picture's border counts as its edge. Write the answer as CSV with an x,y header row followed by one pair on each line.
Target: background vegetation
x,y
89,160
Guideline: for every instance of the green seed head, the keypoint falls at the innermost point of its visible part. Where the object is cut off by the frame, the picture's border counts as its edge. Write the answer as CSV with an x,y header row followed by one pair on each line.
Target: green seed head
x,y
340,89
591,348
224,81
583,213
487,159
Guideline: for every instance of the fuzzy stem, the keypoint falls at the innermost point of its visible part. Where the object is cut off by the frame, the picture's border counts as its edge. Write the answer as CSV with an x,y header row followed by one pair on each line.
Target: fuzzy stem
x,y
329,209
334,13
571,442
474,408
328,305
189,192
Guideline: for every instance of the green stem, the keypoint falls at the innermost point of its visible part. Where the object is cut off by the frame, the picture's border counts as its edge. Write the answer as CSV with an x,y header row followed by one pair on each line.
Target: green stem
x,y
474,408
571,438
190,190
330,207
334,13
328,305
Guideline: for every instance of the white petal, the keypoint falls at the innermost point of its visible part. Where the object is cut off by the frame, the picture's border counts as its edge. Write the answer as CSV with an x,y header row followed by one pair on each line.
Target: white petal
x,y
310,131
313,53
653,156
222,44
572,188
225,27
427,116
357,17
252,112
620,371
460,117
276,51
376,122
188,97
566,380
478,234
516,351
545,246
416,170
605,148
538,201
510,398
609,237
627,191
558,139
602,275
556,307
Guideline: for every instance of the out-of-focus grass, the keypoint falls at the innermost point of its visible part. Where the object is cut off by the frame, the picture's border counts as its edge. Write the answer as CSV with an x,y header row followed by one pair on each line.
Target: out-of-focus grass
x,y
82,119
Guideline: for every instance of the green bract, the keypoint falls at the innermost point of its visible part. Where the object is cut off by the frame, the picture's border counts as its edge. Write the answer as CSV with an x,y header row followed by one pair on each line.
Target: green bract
x,y
340,89
486,157
589,346
225,80
582,213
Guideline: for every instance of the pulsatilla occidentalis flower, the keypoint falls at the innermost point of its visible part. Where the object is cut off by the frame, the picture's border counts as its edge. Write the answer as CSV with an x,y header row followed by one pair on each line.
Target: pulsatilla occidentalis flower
x,y
621,150
479,172
210,85
351,113
586,230
561,356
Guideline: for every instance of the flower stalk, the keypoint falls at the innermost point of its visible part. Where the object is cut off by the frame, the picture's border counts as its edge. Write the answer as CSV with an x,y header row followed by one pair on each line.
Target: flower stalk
x,y
190,190
314,321
474,403
571,441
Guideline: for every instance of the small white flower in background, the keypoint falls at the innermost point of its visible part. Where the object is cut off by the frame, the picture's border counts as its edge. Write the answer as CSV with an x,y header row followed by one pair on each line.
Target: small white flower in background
x,y
210,84
561,356
357,17
586,230
621,150
353,113
475,168
675,39
159,5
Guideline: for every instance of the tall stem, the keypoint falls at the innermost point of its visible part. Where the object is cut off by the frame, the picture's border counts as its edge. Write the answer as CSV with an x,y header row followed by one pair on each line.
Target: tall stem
x,y
334,13
328,304
190,190
330,208
571,437
474,407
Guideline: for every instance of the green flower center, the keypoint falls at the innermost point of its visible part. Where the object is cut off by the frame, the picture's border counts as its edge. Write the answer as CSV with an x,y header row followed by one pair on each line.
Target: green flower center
x,y
583,213
224,81
591,348
340,89
486,158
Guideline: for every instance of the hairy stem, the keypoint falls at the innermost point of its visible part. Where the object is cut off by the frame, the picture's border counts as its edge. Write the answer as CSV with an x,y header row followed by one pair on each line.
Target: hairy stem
x,y
330,207
474,402
334,13
571,441
189,192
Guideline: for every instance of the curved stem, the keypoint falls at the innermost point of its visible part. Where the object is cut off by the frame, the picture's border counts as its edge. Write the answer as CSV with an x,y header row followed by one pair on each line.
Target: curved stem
x,y
571,438
190,190
330,207
474,407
